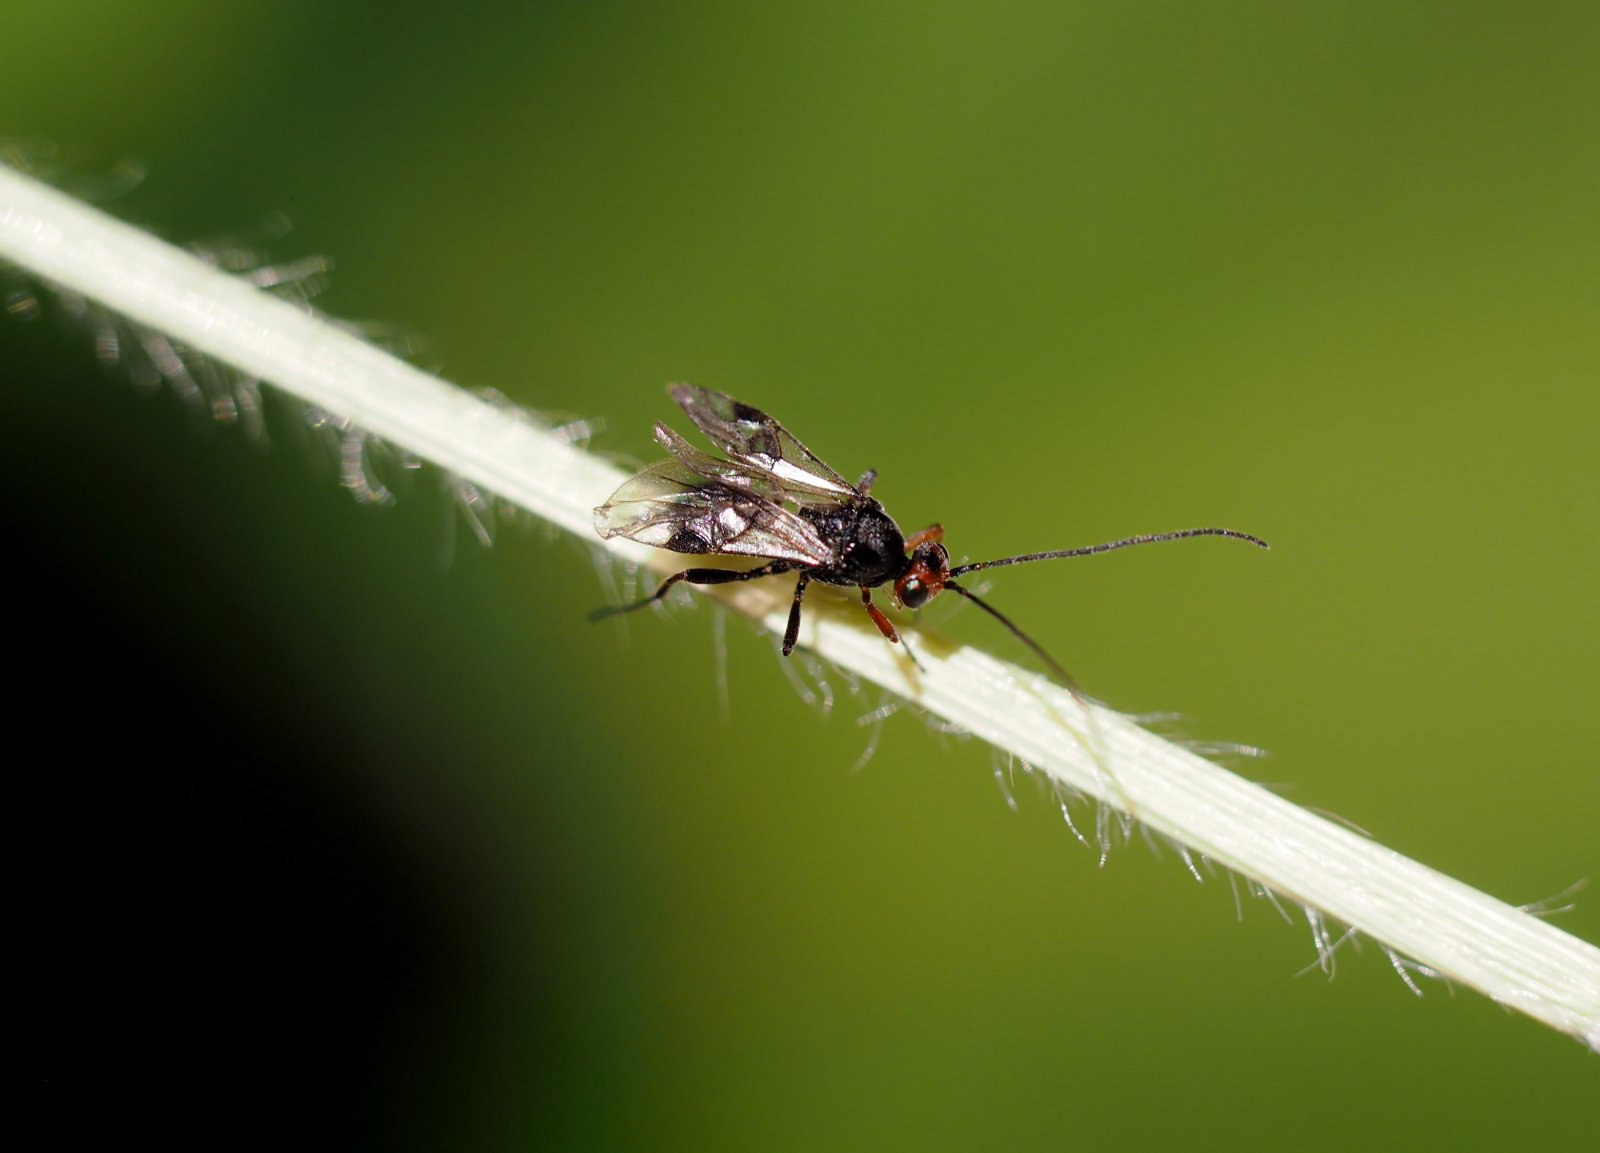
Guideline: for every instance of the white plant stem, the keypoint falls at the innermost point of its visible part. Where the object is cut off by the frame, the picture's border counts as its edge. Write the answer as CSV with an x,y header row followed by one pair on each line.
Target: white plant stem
x,y
1454,930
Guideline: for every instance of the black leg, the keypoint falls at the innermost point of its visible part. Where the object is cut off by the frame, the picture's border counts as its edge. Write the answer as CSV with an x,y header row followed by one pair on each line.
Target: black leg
x,y
696,576
792,632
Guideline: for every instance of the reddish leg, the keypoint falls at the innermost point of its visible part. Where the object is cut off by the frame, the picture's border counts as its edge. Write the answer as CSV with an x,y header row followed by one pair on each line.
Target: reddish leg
x,y
877,616
934,533
884,627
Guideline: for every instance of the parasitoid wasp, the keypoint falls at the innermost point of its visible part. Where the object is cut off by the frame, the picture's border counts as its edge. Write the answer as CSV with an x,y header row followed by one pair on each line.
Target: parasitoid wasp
x,y
774,499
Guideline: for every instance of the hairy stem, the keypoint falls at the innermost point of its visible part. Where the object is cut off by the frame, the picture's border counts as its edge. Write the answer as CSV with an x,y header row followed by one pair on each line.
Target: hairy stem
x,y
1444,925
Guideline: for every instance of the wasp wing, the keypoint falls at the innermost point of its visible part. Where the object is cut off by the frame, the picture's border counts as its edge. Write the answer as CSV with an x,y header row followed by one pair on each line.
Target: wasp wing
x,y
754,438
670,505
733,473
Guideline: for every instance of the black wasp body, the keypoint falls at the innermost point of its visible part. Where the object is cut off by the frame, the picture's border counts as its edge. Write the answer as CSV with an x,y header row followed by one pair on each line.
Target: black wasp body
x,y
772,498
868,546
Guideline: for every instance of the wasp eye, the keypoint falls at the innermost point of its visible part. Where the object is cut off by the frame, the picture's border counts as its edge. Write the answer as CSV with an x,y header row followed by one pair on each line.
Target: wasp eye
x,y
913,593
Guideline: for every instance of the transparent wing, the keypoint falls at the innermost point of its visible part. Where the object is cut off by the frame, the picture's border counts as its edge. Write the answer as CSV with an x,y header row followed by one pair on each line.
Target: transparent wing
x,y
672,506
754,438
733,473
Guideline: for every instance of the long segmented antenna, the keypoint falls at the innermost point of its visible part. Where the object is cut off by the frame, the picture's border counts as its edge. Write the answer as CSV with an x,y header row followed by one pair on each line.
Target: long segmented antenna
x,y
937,580
1055,666
1109,546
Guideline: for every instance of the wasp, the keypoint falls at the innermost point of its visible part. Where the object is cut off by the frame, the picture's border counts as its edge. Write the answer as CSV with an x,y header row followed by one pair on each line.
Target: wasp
x,y
770,497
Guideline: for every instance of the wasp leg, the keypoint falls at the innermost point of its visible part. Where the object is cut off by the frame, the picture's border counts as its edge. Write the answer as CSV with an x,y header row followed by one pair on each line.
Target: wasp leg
x,y
877,616
887,628
697,576
934,533
791,634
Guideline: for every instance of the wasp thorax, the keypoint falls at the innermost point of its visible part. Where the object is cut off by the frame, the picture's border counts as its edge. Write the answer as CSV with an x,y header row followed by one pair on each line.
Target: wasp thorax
x,y
924,576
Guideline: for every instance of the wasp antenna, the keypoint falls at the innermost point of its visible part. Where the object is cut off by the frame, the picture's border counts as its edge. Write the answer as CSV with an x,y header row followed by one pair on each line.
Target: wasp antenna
x,y
1108,546
1055,666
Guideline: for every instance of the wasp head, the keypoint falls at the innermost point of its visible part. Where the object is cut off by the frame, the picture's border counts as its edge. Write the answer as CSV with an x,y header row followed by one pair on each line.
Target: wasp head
x,y
925,575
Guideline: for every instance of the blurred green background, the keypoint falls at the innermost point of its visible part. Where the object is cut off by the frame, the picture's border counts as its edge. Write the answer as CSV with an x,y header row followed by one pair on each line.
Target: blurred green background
x,y
331,793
